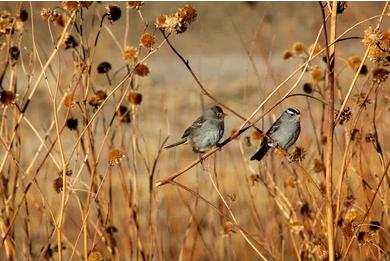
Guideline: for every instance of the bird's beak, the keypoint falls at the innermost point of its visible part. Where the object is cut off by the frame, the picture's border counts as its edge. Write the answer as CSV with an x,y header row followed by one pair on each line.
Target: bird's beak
x,y
225,114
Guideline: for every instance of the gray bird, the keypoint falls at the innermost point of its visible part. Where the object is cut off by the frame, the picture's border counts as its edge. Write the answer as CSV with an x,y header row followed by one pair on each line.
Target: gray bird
x,y
284,133
205,132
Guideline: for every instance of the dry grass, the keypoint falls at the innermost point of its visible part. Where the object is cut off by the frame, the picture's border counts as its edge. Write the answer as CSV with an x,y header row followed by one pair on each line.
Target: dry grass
x,y
90,95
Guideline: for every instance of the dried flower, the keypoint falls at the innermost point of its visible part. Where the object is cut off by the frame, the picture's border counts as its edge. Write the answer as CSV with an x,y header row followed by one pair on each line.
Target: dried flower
x,y
298,48
318,166
130,53
14,53
141,69
6,22
305,210
111,229
349,221
380,75
68,100
308,88
316,74
72,123
97,99
355,135
22,15
187,14
298,154
354,62
49,15
161,21
255,178
364,237
134,4
344,116
287,55
315,48
115,157
95,256
257,135
124,114
70,42
363,70
58,184
374,225
60,20
372,37
341,6
71,5
7,97
113,13
147,40
135,98
228,228
104,67
370,138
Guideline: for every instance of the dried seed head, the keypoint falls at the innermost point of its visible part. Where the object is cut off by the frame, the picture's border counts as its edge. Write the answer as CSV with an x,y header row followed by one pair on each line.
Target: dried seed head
x,y
363,70
255,178
354,62
58,184
345,115
372,37
115,157
160,21
374,225
257,135
49,14
308,88
97,99
72,123
287,55
71,5
228,228
147,40
68,100
7,97
141,69
95,256
22,15
113,12
316,74
370,138
298,48
364,237
315,48
124,114
111,230
134,4
14,53
130,53
298,154
70,42
341,6
305,210
135,98
355,135
104,67
318,166
187,14
380,75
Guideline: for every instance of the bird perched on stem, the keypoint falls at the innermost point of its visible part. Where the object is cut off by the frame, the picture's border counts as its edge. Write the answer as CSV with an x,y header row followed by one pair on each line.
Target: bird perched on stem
x,y
284,133
205,132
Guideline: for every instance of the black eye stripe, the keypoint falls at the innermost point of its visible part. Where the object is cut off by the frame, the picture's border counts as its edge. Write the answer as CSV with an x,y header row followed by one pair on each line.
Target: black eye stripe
x,y
292,111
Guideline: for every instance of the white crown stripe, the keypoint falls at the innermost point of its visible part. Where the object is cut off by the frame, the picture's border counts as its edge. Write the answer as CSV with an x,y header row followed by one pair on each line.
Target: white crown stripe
x,y
292,111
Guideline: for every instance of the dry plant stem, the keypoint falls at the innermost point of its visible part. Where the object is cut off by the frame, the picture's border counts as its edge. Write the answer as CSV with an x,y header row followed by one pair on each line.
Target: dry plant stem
x,y
360,66
331,58
234,218
368,210
35,86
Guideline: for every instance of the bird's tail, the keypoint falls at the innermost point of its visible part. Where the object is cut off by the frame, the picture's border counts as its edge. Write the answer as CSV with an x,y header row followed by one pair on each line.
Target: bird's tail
x,y
261,152
175,144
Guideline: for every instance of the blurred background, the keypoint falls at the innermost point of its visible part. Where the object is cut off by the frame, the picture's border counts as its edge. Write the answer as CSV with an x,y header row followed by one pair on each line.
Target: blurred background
x,y
237,51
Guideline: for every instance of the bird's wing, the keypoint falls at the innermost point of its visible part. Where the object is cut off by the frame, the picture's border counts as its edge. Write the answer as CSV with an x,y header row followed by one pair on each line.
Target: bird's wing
x,y
197,124
274,127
